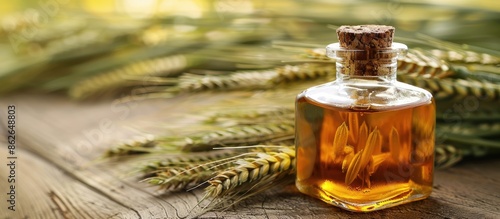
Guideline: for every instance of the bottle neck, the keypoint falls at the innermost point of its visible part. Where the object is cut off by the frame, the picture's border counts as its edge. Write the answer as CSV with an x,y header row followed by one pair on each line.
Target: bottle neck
x,y
381,79
382,70
369,65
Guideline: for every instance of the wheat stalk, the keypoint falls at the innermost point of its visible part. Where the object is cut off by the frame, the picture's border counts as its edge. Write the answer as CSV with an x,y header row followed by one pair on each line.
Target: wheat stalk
x,y
118,77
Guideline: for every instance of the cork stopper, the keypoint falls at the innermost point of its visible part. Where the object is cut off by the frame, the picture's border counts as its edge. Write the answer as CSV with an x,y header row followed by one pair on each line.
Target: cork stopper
x,y
365,36
365,50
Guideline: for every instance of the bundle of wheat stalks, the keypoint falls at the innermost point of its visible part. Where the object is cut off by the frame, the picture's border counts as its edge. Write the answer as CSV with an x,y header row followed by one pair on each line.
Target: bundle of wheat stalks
x,y
90,57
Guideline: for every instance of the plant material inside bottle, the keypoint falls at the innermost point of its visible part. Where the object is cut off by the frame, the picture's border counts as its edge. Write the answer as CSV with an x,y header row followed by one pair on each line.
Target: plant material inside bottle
x,y
364,160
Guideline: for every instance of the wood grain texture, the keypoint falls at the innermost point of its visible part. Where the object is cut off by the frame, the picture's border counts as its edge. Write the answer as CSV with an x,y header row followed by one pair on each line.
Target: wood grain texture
x,y
43,191
71,143
61,141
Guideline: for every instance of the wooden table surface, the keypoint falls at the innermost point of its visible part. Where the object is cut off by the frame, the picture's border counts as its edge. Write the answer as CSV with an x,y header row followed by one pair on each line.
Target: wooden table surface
x,y
57,175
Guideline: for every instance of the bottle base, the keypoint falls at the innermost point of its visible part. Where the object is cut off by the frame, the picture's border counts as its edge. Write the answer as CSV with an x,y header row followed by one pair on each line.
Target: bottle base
x,y
394,197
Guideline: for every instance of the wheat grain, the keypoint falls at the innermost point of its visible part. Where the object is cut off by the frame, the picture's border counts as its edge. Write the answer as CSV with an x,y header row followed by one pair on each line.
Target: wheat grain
x,y
363,157
340,140
375,162
354,168
363,135
349,155
394,144
353,121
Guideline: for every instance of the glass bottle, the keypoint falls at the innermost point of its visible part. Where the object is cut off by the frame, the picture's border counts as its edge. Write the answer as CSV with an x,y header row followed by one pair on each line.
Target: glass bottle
x,y
365,141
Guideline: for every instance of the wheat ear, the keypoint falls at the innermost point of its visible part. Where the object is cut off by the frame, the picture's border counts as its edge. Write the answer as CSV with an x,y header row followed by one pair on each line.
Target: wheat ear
x,y
248,117
240,135
250,170
139,145
307,71
234,81
447,155
466,56
182,177
420,62
152,167
471,129
448,87
119,77
416,62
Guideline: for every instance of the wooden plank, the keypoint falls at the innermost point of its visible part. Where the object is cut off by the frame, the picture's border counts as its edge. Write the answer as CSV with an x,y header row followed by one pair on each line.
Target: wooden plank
x,y
44,191
57,137
72,135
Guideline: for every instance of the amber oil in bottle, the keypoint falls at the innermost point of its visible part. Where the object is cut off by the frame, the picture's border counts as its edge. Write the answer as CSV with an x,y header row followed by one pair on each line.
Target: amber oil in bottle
x,y
365,141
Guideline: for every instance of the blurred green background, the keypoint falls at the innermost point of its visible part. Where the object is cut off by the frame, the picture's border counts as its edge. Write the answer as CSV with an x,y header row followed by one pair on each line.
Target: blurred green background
x,y
51,45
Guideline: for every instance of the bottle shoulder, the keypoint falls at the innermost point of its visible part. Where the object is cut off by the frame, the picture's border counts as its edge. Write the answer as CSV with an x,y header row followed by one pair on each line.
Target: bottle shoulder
x,y
366,95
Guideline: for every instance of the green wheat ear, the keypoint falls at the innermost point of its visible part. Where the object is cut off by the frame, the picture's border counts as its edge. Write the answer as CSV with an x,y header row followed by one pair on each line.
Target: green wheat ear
x,y
120,77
